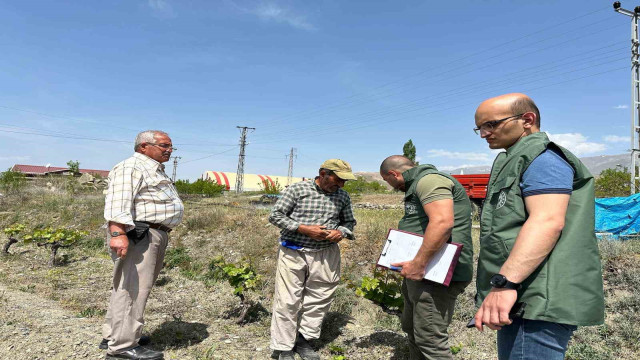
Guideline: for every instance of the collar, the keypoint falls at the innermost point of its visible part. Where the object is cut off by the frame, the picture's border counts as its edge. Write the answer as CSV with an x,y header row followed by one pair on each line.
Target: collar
x,y
522,143
410,175
148,162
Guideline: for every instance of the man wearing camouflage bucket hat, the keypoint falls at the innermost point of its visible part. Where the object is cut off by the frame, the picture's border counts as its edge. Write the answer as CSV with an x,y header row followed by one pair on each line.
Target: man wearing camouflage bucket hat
x,y
313,217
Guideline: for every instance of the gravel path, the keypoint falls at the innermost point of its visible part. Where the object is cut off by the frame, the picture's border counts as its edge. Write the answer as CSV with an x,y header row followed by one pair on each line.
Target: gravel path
x,y
32,327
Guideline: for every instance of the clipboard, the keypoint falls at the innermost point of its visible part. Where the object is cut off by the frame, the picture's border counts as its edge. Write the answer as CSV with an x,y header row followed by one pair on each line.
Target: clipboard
x,y
403,246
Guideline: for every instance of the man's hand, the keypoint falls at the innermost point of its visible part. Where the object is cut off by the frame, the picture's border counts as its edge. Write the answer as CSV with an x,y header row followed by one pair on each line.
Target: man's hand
x,y
120,244
316,232
412,270
494,311
334,236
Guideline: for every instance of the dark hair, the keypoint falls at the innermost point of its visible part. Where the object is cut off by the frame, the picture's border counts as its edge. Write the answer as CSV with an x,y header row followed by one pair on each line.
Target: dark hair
x,y
523,105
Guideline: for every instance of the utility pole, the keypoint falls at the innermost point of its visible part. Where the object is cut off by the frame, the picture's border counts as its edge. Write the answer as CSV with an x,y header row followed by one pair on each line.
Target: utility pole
x,y
240,172
290,173
635,91
175,168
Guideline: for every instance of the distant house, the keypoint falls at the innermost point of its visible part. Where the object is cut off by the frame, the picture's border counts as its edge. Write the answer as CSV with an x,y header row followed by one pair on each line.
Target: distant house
x,y
38,170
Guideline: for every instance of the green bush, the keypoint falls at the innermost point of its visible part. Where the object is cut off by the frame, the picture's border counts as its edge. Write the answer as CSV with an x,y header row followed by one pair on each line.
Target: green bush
x,y
12,181
200,187
362,186
384,289
241,277
613,183
54,239
270,188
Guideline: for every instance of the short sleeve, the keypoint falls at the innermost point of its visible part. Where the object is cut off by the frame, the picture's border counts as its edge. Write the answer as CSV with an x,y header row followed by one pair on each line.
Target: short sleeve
x,y
434,187
549,173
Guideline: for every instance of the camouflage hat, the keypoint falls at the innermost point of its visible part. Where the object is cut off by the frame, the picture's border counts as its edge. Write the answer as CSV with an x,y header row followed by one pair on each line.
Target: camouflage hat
x,y
340,167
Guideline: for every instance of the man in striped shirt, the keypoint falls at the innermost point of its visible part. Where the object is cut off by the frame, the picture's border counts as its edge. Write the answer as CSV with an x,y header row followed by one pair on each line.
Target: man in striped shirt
x,y
313,217
141,208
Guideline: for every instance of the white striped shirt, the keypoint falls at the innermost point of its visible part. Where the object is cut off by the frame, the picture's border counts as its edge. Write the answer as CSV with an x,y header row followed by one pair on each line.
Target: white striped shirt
x,y
140,190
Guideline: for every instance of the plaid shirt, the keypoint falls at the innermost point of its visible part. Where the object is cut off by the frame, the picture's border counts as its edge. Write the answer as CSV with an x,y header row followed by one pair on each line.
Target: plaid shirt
x,y
140,190
305,203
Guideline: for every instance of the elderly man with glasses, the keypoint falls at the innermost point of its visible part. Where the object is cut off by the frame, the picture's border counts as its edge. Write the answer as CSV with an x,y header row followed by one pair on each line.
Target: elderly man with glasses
x,y
141,208
539,272
314,216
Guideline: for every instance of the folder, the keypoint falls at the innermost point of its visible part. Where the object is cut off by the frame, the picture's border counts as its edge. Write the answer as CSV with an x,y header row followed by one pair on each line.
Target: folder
x,y
403,246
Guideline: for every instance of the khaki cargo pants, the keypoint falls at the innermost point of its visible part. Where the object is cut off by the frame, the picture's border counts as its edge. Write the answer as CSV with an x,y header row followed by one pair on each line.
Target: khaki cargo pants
x,y
304,287
133,278
428,308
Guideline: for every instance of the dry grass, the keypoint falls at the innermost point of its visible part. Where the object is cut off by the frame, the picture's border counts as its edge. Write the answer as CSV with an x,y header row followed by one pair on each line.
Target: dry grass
x,y
191,317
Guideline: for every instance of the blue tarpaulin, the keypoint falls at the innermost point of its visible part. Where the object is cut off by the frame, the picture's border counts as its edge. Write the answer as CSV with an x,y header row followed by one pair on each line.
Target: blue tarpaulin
x,y
618,215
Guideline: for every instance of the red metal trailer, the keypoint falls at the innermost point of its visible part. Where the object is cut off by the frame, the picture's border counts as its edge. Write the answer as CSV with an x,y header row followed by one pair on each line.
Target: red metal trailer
x,y
475,185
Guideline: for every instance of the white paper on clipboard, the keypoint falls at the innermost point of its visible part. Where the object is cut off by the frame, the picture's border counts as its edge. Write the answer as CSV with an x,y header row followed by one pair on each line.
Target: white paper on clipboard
x,y
403,246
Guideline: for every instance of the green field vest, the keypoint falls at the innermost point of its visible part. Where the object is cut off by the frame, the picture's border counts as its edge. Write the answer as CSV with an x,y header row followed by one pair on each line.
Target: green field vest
x,y
415,220
567,287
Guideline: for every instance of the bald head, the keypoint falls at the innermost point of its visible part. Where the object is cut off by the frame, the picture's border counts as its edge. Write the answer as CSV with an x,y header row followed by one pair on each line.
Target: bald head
x,y
514,103
397,163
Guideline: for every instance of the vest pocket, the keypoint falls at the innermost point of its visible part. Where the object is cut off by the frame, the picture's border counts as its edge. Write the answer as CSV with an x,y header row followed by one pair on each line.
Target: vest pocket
x,y
501,195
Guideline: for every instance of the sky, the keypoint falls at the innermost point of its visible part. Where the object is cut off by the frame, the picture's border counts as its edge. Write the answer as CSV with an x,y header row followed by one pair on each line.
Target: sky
x,y
333,79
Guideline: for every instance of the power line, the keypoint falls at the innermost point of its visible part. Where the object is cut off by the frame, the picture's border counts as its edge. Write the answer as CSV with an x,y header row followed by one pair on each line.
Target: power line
x,y
466,90
466,57
458,73
330,131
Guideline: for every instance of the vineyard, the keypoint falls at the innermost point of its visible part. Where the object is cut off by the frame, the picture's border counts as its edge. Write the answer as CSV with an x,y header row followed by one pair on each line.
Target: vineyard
x,y
213,298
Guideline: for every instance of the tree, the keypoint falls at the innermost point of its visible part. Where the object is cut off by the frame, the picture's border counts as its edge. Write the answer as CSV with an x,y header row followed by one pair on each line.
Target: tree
x,y
613,182
409,151
12,181
74,167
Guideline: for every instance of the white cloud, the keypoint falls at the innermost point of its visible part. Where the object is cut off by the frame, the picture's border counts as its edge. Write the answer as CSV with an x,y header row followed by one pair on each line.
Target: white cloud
x,y
455,167
482,158
617,139
14,158
161,7
577,143
621,107
273,12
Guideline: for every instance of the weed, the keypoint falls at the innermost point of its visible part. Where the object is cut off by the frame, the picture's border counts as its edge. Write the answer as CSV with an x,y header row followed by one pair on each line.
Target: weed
x,y
177,257
92,312
456,348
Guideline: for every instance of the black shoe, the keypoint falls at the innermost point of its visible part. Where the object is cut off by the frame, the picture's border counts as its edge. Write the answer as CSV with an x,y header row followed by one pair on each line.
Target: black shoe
x,y
138,353
144,340
304,349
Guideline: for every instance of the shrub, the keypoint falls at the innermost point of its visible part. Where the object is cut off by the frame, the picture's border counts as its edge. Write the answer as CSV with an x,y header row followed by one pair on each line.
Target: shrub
x,y
384,289
12,233
54,239
200,187
268,187
360,186
613,182
241,277
12,181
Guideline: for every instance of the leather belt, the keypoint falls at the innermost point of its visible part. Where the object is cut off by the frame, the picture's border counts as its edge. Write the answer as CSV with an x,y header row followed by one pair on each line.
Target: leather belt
x,y
158,227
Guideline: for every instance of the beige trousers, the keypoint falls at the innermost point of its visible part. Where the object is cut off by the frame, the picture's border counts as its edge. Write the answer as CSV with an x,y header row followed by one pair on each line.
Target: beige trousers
x,y
304,287
133,277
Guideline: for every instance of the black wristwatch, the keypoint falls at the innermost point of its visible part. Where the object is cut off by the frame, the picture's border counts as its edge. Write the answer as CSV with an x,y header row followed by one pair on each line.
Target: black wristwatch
x,y
499,281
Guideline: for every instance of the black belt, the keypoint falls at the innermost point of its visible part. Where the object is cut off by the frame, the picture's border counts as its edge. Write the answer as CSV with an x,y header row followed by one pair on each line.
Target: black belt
x,y
158,226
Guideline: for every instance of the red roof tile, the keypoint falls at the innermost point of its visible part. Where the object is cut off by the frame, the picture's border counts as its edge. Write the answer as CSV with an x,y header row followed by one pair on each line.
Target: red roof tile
x,y
43,170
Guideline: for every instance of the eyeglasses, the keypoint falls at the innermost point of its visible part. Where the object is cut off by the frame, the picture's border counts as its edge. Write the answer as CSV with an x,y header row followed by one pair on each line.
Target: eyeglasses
x,y
165,146
491,125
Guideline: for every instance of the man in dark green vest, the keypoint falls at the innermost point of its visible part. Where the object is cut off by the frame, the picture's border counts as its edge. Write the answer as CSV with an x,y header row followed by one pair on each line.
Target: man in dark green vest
x,y
437,207
538,250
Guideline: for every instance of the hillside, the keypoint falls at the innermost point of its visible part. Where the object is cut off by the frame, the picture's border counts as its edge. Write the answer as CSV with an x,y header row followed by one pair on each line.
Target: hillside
x,y
595,164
